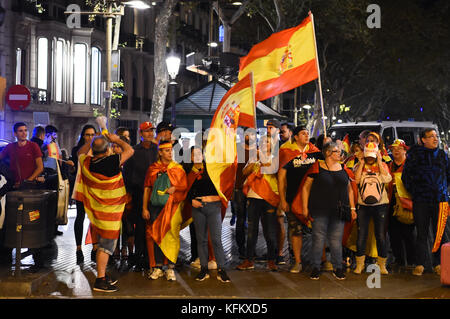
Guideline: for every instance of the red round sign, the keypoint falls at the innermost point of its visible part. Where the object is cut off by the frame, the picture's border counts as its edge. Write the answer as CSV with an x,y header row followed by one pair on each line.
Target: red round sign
x,y
18,97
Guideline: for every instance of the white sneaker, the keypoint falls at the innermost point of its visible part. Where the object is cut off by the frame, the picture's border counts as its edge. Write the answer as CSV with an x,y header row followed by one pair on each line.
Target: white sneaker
x,y
196,264
156,273
212,265
170,275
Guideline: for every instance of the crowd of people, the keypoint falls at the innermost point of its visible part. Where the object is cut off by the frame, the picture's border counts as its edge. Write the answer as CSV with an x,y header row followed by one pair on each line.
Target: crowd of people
x,y
348,201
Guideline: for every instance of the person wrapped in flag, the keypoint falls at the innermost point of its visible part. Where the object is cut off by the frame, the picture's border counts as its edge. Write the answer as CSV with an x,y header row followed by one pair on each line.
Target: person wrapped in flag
x,y
261,189
100,187
295,158
164,191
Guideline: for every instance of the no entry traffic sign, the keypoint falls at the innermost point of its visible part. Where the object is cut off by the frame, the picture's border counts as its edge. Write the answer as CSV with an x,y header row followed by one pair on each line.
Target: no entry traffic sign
x,y
18,97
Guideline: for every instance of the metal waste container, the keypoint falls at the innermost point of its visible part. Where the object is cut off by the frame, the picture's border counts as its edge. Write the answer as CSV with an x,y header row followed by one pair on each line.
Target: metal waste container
x,y
28,226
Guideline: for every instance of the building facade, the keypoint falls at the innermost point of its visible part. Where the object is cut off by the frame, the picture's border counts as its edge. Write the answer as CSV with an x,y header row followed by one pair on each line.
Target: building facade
x,y
64,67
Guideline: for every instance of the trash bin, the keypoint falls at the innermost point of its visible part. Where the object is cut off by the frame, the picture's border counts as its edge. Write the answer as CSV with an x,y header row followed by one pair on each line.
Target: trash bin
x,y
35,217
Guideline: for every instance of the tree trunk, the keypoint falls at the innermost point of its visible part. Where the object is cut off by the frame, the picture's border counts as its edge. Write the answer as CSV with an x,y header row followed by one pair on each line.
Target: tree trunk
x,y
160,69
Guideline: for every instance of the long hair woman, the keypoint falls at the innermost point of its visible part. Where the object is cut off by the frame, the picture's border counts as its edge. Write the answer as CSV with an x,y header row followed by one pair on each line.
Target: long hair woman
x,y
87,134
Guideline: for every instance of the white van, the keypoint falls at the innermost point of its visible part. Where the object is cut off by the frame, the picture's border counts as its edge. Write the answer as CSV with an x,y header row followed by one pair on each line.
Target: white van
x,y
389,130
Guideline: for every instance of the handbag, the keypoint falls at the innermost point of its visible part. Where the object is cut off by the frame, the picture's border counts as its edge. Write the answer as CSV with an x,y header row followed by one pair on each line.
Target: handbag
x,y
344,210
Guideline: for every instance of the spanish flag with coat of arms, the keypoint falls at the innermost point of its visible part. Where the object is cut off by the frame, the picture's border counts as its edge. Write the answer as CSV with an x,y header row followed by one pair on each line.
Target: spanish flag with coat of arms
x,y
237,108
282,62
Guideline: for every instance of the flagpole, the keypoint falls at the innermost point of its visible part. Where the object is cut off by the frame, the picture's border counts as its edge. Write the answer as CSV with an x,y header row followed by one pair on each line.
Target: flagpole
x,y
318,71
253,99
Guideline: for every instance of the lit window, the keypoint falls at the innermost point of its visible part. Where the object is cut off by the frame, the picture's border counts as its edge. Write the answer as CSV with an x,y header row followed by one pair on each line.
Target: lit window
x,y
79,73
96,71
42,63
18,66
59,69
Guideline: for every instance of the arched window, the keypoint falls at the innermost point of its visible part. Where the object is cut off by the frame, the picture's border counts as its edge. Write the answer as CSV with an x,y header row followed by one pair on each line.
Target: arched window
x,y
96,72
42,63
59,70
79,73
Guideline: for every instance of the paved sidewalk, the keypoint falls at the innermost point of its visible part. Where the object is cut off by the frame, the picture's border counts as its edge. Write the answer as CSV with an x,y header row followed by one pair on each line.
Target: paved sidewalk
x,y
62,278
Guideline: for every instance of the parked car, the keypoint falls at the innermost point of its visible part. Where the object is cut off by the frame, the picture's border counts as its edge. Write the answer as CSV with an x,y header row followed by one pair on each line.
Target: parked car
x,y
389,130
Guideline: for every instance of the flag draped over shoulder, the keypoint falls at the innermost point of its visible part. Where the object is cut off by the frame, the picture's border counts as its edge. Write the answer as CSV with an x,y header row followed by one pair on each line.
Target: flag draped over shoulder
x,y
297,203
237,108
265,185
165,230
285,60
290,150
103,198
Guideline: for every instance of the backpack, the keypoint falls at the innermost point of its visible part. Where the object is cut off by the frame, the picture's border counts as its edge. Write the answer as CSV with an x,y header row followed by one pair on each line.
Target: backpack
x,y
371,189
159,196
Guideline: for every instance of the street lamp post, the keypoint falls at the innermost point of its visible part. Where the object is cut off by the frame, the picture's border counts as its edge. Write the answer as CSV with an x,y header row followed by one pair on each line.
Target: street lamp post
x,y
173,65
110,15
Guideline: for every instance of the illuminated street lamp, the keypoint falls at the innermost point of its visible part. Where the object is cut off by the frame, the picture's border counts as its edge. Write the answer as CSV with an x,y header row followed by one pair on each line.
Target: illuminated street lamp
x,y
173,65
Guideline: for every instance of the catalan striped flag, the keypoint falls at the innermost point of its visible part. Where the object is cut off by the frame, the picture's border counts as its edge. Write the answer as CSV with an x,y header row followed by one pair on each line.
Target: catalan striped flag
x,y
285,60
237,108
103,198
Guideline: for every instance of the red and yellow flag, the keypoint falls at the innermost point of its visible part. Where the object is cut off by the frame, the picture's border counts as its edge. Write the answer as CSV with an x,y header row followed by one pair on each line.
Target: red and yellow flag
x,y
103,198
165,230
285,60
346,143
237,108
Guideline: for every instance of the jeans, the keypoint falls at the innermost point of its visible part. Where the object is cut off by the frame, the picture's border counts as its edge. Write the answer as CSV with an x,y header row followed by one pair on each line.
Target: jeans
x,y
259,209
239,202
327,226
209,218
379,213
424,213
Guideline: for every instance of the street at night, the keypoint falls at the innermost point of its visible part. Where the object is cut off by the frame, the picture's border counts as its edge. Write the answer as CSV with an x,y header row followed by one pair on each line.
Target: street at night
x,y
233,157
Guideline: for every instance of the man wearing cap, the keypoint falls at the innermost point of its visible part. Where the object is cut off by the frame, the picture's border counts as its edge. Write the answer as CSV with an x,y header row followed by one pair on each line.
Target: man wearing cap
x,y
145,154
295,158
401,224
426,176
164,132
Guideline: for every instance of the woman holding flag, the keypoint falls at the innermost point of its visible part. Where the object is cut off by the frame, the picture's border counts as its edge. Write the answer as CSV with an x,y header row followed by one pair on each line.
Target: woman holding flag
x,y
261,189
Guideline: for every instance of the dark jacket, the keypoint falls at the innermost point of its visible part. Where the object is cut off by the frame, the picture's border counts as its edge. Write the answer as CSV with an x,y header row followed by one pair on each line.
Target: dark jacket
x,y
426,174
135,168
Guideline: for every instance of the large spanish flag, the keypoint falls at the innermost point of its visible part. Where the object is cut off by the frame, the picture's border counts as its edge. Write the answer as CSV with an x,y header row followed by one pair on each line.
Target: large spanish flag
x,y
103,198
165,230
237,108
285,60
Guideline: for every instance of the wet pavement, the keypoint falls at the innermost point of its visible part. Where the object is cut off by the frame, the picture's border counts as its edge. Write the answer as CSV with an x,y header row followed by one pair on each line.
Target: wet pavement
x,y
63,278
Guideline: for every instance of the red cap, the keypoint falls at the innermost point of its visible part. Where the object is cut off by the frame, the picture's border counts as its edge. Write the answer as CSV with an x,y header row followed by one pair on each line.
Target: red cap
x,y
145,126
